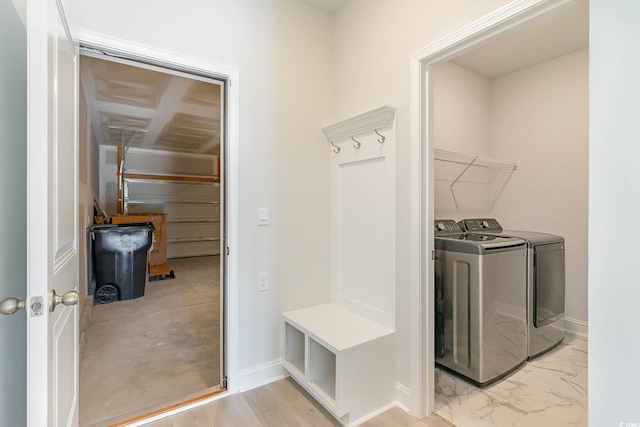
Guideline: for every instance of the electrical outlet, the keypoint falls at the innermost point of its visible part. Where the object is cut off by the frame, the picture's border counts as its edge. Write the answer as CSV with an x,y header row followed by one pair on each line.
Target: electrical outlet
x,y
263,281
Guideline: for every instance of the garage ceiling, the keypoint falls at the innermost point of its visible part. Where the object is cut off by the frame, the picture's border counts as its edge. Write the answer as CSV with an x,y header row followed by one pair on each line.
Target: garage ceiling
x,y
177,113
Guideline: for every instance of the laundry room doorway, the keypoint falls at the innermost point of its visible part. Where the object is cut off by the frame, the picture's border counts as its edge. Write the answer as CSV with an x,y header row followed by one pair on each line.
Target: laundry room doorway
x,y
453,172
153,149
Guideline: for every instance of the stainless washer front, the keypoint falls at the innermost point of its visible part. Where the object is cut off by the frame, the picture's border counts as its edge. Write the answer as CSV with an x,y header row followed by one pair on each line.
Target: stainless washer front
x,y
480,304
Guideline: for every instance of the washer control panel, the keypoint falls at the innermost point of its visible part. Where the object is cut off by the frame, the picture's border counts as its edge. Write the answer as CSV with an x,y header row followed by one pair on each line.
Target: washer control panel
x,y
481,224
446,226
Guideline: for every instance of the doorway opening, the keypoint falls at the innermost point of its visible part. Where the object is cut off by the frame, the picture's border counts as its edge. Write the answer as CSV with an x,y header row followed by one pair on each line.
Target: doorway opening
x,y
459,54
153,148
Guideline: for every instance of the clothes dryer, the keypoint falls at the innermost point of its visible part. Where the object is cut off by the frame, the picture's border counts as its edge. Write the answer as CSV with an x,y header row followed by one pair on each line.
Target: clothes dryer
x,y
545,279
480,303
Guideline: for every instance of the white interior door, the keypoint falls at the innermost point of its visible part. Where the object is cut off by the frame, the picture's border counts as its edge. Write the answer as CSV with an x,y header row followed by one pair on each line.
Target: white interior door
x,y
52,215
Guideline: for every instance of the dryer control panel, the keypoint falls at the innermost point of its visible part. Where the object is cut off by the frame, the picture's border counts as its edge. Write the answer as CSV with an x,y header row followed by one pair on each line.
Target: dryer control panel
x,y
446,226
481,224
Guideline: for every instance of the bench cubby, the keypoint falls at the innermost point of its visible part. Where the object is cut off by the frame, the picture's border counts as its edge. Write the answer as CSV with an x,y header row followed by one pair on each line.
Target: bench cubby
x,y
344,360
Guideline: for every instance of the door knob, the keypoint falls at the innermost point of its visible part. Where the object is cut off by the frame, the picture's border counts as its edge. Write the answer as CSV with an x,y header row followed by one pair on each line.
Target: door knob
x,y
11,305
69,298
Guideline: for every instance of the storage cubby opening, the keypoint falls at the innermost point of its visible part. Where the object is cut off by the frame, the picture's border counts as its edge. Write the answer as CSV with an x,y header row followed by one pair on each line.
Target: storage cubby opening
x,y
295,347
322,368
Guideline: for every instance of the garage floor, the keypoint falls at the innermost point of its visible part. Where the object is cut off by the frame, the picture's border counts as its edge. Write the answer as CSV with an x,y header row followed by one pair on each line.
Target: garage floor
x,y
145,352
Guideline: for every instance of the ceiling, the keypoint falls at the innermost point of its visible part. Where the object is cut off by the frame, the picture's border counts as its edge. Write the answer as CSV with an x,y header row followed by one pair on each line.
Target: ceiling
x,y
330,6
177,113
184,115
559,33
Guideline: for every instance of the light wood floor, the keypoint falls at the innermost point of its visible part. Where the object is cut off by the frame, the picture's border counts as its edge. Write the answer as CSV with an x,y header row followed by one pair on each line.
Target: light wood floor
x,y
280,404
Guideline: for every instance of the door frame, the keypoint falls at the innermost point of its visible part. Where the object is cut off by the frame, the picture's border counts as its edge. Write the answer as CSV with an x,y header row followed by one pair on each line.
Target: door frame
x,y
504,19
230,75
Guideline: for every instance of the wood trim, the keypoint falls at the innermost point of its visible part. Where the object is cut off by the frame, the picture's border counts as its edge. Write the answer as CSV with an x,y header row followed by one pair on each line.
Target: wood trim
x,y
231,165
120,183
376,119
170,177
166,409
421,176
494,24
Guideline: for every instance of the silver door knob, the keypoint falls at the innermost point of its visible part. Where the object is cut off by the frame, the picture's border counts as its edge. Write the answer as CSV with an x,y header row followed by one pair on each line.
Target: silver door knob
x,y
11,305
69,298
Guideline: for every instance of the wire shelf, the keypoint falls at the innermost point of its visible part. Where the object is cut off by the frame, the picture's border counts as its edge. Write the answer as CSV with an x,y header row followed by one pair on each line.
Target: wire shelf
x,y
499,171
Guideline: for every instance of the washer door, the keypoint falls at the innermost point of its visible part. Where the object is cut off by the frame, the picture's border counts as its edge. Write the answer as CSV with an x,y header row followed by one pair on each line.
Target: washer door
x,y
548,267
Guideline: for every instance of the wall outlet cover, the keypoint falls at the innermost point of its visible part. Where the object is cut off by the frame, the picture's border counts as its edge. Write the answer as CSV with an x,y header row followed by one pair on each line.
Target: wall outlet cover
x,y
263,281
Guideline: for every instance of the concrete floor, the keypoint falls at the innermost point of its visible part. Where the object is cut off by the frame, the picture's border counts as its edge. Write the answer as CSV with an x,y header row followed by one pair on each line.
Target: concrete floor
x,y
143,353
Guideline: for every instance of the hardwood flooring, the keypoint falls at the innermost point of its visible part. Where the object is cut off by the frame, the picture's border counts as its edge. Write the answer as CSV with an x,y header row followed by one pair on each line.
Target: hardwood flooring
x,y
280,404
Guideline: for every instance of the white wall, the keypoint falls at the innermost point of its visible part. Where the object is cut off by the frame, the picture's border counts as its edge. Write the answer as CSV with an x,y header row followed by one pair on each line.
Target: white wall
x,y
13,211
373,42
283,50
461,124
540,118
614,202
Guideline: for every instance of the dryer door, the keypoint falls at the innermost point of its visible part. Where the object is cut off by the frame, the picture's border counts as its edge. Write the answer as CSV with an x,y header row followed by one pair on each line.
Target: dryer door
x,y
548,268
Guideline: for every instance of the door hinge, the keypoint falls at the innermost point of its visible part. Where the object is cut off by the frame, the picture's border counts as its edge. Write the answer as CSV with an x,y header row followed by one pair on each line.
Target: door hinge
x,y
224,382
433,255
37,306
227,250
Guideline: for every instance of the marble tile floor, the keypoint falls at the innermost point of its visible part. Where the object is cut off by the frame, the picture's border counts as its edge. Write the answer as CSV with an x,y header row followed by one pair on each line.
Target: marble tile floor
x,y
549,391
147,351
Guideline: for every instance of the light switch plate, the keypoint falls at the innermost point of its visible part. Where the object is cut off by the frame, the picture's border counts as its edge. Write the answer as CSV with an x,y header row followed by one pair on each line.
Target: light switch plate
x,y
263,216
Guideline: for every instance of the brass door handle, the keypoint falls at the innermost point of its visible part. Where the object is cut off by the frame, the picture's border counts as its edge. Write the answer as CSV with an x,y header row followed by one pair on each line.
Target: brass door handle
x,y
69,298
12,305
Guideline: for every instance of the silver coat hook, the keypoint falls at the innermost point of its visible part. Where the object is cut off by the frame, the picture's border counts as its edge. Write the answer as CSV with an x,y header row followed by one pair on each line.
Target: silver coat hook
x,y
336,149
357,143
381,141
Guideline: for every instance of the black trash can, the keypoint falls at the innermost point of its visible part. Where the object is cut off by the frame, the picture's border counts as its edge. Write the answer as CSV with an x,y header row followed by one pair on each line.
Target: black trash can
x,y
120,256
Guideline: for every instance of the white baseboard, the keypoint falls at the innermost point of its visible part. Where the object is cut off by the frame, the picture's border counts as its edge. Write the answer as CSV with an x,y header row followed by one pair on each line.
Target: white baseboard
x,y
576,326
403,397
260,375
372,414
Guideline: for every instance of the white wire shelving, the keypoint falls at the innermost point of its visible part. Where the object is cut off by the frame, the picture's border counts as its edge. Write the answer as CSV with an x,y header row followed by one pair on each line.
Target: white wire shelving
x,y
499,171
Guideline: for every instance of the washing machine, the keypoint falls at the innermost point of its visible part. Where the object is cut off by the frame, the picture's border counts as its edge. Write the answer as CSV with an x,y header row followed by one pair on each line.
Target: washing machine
x,y
545,282
480,303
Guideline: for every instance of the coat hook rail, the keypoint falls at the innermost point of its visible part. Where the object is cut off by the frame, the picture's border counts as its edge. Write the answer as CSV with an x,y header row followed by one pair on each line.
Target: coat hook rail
x,y
357,143
382,137
336,149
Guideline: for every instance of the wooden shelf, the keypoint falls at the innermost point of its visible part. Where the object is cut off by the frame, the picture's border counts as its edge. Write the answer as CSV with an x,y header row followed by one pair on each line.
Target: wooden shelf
x,y
147,176
194,221
172,202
